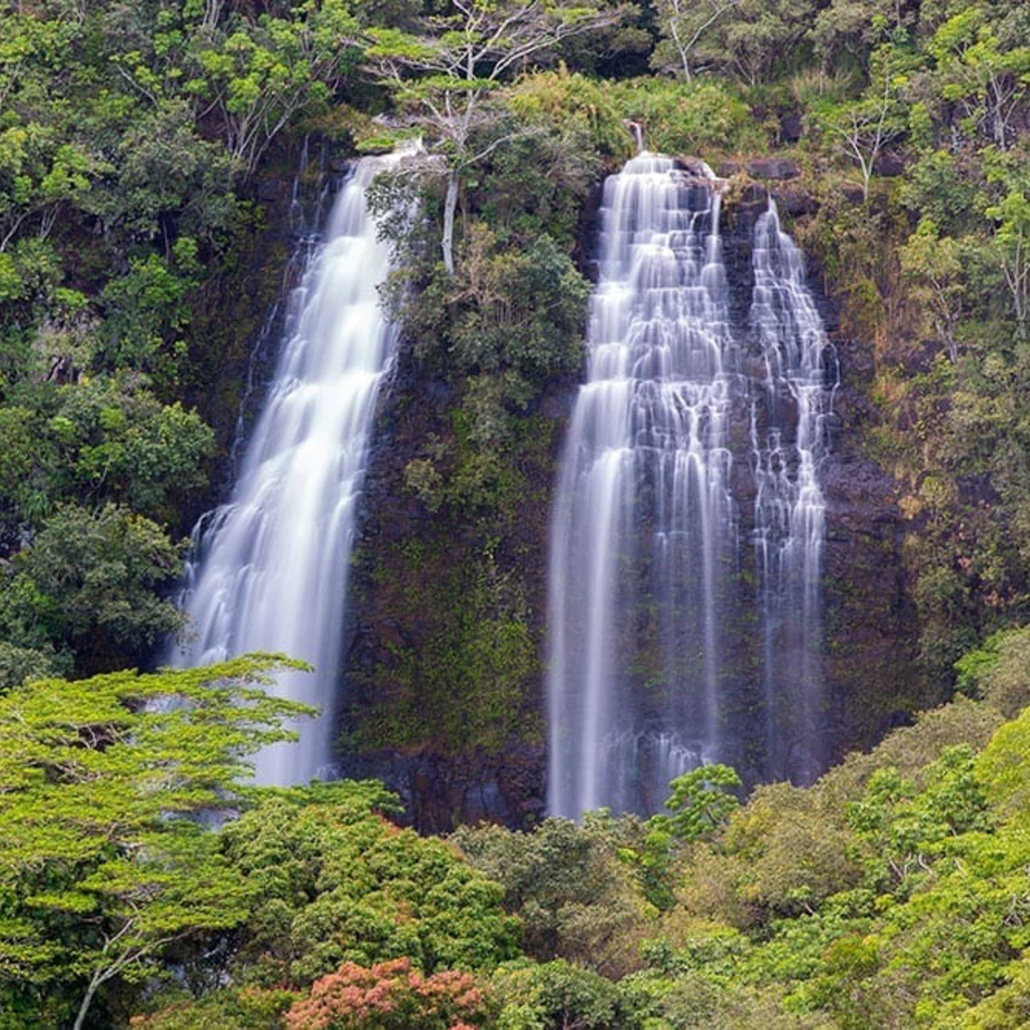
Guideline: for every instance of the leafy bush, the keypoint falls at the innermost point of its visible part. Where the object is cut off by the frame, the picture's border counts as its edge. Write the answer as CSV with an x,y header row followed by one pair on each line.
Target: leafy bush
x,y
337,883
88,583
698,119
572,894
389,996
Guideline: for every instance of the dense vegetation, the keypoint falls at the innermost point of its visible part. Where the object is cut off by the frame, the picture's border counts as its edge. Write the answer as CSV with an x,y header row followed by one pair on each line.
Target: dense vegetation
x,y
891,893
142,157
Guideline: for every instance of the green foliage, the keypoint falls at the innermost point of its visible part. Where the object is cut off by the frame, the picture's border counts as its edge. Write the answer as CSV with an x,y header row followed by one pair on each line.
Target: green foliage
x,y
261,74
580,108
696,119
568,886
997,672
146,309
757,40
126,139
23,664
88,582
891,893
700,807
557,994
104,865
444,76
699,803
334,882
249,1008
95,441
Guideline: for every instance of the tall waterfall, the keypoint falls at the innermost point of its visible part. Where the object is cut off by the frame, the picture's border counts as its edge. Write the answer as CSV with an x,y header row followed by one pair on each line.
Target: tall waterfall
x,y
643,518
692,434
789,441
269,569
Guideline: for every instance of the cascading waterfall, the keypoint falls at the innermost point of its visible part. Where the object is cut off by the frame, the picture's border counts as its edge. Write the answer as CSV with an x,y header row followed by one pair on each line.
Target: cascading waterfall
x,y
269,570
643,524
788,443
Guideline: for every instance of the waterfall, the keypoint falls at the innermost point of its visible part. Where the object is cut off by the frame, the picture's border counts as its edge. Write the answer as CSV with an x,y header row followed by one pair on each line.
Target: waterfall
x,y
788,443
643,526
268,571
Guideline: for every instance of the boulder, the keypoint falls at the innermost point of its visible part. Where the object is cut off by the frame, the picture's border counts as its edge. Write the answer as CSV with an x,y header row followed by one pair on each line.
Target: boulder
x,y
792,128
889,164
773,168
795,202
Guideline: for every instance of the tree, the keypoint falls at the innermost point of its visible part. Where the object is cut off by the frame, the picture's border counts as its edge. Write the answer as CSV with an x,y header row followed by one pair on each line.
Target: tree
x,y
980,73
699,801
1012,248
89,580
851,28
443,75
559,994
754,39
104,864
334,882
683,25
934,266
389,996
861,128
569,886
263,74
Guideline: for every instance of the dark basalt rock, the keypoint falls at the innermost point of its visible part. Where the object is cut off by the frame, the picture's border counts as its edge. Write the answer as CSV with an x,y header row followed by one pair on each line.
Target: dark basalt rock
x,y
792,128
439,793
889,163
869,621
795,202
773,168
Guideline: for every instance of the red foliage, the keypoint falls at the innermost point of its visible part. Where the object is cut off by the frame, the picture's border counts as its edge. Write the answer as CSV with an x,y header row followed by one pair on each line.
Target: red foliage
x,y
389,996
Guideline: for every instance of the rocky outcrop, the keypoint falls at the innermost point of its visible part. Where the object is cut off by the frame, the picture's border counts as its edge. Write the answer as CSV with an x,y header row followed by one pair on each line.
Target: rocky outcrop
x,y
772,168
869,624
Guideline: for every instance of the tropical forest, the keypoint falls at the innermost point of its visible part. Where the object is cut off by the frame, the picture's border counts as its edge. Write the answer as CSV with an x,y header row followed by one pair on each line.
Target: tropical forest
x,y
514,515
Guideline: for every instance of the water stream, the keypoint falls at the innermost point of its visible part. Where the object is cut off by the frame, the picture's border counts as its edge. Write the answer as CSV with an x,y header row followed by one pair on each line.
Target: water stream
x,y
653,661
789,441
268,571
643,521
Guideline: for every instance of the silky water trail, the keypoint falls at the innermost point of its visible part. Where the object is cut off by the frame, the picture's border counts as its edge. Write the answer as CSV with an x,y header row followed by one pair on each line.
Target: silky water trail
x,y
268,570
647,605
789,442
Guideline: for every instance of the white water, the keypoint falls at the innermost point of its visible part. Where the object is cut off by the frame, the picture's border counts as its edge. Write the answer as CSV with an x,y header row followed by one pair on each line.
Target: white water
x,y
788,443
643,516
269,569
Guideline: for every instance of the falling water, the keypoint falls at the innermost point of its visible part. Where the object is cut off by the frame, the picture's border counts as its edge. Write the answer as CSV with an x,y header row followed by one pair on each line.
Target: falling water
x,y
643,524
269,569
788,443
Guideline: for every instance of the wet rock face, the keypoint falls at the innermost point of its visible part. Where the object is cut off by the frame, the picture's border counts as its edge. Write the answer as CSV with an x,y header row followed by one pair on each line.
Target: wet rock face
x,y
792,128
869,624
440,793
404,556
889,163
869,621
773,168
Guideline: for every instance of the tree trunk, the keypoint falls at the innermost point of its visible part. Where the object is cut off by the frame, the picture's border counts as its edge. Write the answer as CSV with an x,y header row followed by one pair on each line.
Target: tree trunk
x,y
450,204
86,1002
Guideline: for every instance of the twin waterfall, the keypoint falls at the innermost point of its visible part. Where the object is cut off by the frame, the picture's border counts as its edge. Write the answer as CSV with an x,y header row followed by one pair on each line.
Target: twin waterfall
x,y
652,617
269,569
688,524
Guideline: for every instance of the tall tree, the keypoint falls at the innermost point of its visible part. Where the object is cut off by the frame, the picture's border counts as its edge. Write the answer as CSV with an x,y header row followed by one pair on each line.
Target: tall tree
x,y
442,75
861,128
683,25
104,864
